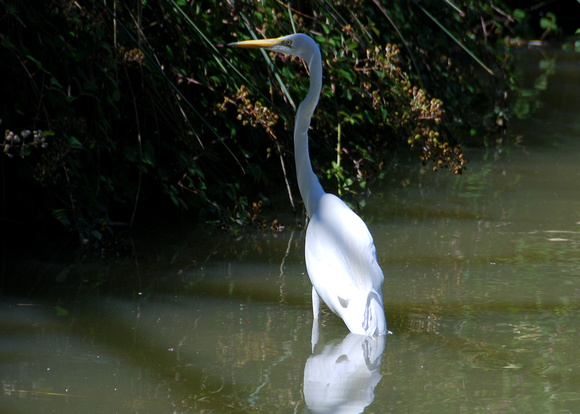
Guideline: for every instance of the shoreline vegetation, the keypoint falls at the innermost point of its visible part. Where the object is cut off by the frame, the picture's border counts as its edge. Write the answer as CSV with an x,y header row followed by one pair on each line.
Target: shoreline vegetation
x,y
116,112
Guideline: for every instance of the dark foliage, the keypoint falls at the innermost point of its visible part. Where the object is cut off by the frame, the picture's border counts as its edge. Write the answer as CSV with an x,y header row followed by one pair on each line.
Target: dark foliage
x,y
113,107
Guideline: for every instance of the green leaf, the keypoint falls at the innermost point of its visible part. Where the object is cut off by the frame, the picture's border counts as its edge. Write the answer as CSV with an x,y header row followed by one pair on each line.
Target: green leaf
x,y
62,217
519,15
37,62
320,39
55,82
75,143
351,45
549,22
97,234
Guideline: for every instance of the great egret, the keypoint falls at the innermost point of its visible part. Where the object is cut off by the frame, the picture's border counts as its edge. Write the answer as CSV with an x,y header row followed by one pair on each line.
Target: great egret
x,y
341,258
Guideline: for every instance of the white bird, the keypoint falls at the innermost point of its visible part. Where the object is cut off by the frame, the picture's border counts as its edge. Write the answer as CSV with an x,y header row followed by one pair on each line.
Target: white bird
x,y
341,258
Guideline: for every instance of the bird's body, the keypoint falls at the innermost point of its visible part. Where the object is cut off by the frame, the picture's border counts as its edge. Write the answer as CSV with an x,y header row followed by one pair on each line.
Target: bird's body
x,y
340,253
342,265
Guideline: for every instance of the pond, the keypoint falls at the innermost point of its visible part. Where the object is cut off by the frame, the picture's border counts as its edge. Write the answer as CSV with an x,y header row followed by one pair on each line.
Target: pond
x,y
482,295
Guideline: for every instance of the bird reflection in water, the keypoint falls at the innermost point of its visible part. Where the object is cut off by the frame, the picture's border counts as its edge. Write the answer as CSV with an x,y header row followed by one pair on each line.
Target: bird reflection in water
x,y
340,377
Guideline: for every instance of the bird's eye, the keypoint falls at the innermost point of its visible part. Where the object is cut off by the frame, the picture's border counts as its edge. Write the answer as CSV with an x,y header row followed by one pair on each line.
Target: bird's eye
x,y
288,42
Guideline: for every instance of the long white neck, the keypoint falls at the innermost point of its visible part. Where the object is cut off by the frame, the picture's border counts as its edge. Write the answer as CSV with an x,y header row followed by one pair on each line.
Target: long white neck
x,y
308,183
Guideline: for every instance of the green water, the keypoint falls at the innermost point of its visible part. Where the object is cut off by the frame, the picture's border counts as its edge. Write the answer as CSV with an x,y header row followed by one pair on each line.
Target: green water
x,y
482,294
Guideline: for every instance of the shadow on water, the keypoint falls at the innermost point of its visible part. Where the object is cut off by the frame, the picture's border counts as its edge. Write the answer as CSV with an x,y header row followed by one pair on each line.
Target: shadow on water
x,y
482,293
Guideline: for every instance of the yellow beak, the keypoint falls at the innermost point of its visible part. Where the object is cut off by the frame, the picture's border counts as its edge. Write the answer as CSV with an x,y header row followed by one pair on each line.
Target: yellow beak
x,y
255,44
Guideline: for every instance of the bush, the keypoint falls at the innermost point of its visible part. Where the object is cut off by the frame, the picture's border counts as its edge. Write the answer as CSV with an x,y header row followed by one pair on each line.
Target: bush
x,y
132,101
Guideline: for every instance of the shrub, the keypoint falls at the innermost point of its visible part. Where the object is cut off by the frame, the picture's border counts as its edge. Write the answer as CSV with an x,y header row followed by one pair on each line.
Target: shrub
x,y
131,101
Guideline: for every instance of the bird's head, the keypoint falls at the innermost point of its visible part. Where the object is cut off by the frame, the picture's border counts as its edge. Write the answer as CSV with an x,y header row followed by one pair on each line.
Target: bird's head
x,y
299,45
